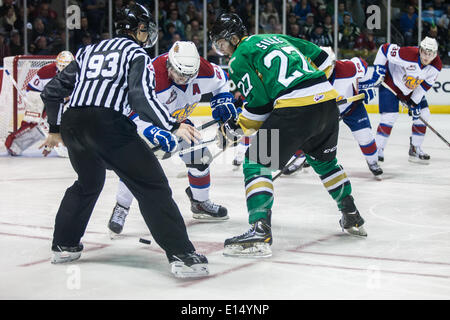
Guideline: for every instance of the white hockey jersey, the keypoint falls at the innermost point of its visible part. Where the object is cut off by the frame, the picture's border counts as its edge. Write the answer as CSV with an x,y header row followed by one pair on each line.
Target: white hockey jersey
x,y
181,100
345,78
406,76
42,77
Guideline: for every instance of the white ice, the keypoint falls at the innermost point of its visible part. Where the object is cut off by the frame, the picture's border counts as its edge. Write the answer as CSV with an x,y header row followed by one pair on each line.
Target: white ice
x,y
405,256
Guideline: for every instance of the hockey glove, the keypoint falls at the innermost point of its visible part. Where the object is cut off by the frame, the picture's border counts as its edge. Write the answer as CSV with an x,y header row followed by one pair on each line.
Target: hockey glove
x,y
165,139
377,78
369,94
413,110
229,134
223,107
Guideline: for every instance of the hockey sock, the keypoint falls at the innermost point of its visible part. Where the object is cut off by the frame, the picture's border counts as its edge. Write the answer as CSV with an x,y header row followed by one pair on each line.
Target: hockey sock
x,y
124,197
199,181
333,178
387,120
370,151
258,190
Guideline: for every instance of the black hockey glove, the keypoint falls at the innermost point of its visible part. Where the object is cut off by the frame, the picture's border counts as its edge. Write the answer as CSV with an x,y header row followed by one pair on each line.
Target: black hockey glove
x,y
229,134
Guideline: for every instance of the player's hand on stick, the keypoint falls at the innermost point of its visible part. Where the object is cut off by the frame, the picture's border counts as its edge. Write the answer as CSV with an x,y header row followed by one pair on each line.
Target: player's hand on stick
x,y
229,134
413,110
223,107
369,94
53,140
377,78
165,139
188,133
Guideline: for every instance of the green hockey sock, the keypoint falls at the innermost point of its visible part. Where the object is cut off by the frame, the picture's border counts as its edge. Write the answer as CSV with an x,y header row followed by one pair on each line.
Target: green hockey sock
x,y
333,178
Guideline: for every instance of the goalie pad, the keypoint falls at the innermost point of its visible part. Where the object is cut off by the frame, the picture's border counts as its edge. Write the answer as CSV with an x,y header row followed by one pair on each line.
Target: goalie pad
x,y
20,140
34,107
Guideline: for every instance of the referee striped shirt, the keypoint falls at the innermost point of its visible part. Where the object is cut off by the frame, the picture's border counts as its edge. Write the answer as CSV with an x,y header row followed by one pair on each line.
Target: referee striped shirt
x,y
115,74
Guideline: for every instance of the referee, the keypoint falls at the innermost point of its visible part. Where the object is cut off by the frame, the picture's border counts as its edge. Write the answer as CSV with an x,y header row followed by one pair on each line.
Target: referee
x,y
107,81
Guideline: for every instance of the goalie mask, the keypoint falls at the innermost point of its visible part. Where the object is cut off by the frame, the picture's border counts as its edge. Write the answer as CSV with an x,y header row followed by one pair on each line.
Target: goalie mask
x,y
183,62
428,50
137,18
226,26
63,59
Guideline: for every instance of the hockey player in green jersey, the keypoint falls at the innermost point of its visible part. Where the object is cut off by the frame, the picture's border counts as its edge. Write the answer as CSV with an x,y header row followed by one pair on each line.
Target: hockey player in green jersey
x,y
291,105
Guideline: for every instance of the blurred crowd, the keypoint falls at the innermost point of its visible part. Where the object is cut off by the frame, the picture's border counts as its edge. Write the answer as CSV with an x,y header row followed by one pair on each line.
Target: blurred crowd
x,y
312,20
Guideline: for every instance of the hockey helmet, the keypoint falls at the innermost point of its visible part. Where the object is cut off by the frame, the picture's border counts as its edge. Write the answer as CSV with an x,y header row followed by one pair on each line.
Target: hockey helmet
x,y
63,59
183,62
428,50
131,17
226,25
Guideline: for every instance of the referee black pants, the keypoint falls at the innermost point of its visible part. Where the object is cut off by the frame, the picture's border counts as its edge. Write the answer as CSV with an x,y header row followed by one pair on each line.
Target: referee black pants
x,y
98,139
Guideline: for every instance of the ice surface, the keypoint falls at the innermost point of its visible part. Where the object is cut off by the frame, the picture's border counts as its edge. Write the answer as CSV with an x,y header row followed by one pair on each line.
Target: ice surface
x,y
405,256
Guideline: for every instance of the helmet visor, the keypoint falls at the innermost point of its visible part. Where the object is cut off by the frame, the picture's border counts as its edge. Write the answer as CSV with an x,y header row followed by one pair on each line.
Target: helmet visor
x,y
152,32
178,77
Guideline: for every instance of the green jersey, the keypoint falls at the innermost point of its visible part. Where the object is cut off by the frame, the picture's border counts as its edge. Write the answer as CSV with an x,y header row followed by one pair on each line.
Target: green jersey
x,y
266,67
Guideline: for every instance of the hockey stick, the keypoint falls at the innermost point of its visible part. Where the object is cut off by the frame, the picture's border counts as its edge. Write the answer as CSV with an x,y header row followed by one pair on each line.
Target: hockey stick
x,y
19,91
358,97
201,127
432,129
405,105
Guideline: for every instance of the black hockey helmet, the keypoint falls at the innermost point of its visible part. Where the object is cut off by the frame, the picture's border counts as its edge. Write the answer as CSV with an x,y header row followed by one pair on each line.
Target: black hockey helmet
x,y
227,25
131,17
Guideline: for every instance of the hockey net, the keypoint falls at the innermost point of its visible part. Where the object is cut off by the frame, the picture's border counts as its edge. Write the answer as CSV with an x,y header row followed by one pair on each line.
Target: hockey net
x,y
22,69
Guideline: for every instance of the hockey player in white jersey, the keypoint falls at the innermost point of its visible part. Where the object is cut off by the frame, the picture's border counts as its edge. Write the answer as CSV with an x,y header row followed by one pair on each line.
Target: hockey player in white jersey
x,y
407,73
32,126
182,77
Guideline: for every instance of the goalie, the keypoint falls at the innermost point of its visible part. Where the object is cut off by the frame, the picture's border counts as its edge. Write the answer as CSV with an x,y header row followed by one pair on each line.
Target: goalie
x,y
32,126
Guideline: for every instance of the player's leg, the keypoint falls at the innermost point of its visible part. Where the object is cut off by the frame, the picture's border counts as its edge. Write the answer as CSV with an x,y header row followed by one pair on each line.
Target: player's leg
x,y
359,123
198,165
124,198
416,154
320,152
388,107
240,150
271,148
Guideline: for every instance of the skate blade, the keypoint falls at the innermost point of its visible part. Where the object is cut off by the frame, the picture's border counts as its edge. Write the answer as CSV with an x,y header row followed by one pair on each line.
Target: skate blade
x,y
378,177
419,161
64,257
208,218
260,250
113,235
180,270
356,231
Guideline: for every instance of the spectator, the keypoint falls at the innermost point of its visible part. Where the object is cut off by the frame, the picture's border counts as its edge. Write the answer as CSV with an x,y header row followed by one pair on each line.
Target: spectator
x,y
444,20
8,21
5,7
291,20
271,26
308,27
408,22
78,33
47,15
341,11
41,46
348,33
365,42
199,44
38,29
328,27
301,9
95,12
59,42
193,29
294,31
4,48
319,38
269,11
175,20
16,45
191,14
321,14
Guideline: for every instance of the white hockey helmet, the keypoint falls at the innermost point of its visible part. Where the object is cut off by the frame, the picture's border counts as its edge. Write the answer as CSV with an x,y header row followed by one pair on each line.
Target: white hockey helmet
x,y
428,50
332,57
184,62
63,59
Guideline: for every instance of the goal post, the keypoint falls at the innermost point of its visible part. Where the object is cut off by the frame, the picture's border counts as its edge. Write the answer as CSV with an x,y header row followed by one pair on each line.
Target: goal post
x,y
22,68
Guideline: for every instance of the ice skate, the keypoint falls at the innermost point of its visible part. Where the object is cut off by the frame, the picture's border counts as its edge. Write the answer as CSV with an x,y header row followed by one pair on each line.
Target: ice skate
x,y
206,210
351,221
62,254
417,155
117,220
381,155
298,164
255,243
375,169
189,265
